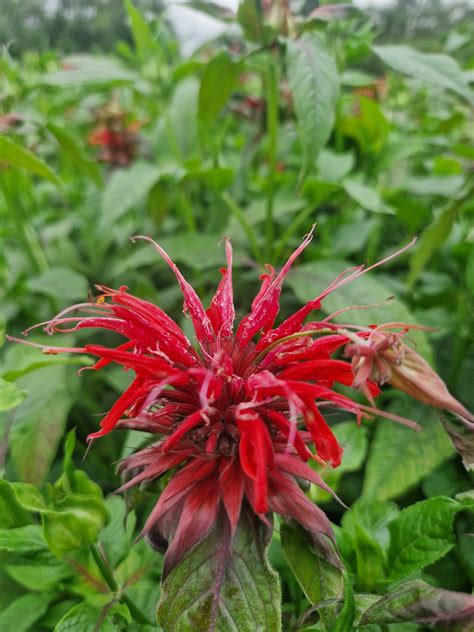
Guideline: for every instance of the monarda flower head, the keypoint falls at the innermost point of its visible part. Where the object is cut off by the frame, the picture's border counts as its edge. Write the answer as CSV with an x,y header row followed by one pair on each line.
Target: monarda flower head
x,y
238,415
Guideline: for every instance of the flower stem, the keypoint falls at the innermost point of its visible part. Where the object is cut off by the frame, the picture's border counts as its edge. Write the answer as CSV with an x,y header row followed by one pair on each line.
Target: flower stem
x,y
111,582
272,131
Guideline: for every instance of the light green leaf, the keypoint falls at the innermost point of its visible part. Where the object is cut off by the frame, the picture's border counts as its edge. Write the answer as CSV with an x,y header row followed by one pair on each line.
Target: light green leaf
x,y
223,584
22,540
18,156
142,37
75,152
117,536
10,395
373,516
399,457
39,576
332,166
39,422
182,122
217,84
61,283
84,70
366,196
315,85
420,535
370,560
126,189
76,522
440,70
444,186
321,581
362,119
309,280
353,439
250,18
12,514
23,613
85,618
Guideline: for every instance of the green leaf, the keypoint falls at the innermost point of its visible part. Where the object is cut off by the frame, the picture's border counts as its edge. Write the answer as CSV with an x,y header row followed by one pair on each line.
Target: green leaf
x,y
39,422
217,84
18,156
420,535
461,433
322,582
61,283
86,70
74,150
332,166
314,82
142,37
85,618
418,602
38,576
12,514
117,536
400,457
250,18
126,189
10,395
440,70
223,584
373,516
431,239
370,560
182,122
366,196
19,360
309,280
213,9
444,186
22,540
362,119
23,613
76,521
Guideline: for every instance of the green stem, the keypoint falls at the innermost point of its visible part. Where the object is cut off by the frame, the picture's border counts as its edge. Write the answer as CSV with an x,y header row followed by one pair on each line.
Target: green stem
x,y
240,217
272,131
187,212
282,243
111,582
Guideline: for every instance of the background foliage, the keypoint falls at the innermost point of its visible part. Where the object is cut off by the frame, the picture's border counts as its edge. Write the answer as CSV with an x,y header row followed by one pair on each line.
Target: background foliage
x,y
344,124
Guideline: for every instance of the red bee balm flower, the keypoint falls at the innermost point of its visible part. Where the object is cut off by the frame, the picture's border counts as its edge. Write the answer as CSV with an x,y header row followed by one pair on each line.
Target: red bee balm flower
x,y
237,414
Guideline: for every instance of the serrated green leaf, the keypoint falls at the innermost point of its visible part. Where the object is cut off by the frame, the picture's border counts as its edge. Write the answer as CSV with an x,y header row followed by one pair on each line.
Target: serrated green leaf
x,y
314,82
440,70
419,602
18,156
399,457
10,395
420,535
22,540
217,84
321,581
76,522
223,585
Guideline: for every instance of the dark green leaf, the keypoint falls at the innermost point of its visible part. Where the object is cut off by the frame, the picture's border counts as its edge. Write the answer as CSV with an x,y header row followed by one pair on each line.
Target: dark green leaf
x,y
22,613
420,535
419,602
373,516
440,70
400,457
314,81
322,582
12,514
85,618
223,585
38,576
250,17
62,283
18,156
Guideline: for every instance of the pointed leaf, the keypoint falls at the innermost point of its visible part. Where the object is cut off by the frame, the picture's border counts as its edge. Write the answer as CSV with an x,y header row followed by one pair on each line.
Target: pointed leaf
x,y
218,82
18,156
314,81
10,395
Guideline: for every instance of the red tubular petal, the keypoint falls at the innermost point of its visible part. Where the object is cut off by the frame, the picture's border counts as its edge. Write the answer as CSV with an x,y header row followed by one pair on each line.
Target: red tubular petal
x,y
153,366
323,437
256,455
290,326
282,423
137,389
266,308
221,311
192,303
160,464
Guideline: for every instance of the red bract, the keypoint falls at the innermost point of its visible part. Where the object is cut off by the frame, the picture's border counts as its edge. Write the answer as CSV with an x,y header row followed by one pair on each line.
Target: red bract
x,y
236,415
